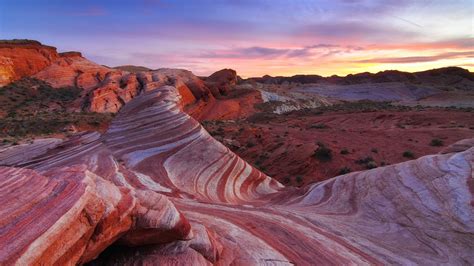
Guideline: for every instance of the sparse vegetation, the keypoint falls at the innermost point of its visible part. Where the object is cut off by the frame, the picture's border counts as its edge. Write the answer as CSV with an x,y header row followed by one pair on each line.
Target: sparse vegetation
x,y
299,179
323,153
408,154
368,162
364,160
371,165
359,106
436,142
344,151
319,126
250,144
344,170
32,107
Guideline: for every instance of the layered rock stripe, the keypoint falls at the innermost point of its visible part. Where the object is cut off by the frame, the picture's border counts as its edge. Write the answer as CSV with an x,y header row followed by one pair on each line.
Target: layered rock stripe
x,y
157,178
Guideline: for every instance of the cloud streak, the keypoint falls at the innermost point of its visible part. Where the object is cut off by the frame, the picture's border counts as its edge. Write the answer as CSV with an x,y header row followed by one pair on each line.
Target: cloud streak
x,y
418,59
254,37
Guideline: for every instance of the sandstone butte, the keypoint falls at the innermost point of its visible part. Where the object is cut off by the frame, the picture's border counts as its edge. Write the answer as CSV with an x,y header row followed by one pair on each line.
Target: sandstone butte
x,y
156,188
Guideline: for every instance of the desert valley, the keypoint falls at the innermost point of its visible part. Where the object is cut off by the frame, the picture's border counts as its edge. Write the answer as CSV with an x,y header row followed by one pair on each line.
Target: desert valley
x,y
129,165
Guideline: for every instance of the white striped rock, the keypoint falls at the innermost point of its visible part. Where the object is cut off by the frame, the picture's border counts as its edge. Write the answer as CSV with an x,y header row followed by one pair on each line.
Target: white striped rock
x,y
416,212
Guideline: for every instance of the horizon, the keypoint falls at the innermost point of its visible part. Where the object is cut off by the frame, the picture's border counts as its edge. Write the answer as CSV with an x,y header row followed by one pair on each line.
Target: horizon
x,y
255,38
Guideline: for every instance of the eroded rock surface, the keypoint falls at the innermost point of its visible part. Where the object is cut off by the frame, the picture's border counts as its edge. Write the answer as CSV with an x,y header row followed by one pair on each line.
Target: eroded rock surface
x,y
104,89
22,58
221,81
163,181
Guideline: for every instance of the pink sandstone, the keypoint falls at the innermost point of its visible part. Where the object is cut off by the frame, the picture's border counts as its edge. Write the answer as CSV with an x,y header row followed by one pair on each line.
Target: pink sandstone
x,y
214,208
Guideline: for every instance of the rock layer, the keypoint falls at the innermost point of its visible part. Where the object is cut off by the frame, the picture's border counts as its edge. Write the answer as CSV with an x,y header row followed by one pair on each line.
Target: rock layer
x,y
104,89
22,58
196,201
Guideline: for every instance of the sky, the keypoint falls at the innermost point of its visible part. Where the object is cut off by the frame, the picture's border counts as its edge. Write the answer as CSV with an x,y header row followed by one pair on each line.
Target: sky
x,y
254,37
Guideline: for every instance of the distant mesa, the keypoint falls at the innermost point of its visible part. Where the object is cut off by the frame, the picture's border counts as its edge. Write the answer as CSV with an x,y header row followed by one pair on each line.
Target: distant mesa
x,y
433,76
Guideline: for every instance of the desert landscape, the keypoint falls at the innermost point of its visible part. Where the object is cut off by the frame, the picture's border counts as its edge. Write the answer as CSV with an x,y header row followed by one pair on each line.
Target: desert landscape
x,y
189,145
127,166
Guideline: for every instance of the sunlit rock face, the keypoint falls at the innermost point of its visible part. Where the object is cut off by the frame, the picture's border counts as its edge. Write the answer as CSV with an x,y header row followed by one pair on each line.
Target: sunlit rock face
x,y
22,58
161,186
104,89
107,90
220,82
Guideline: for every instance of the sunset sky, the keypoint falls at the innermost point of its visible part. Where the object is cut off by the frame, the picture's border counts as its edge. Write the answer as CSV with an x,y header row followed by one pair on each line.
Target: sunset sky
x,y
255,37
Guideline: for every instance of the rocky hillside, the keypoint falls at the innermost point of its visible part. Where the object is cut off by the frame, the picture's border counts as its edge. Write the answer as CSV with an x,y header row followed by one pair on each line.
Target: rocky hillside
x,y
45,92
103,89
23,58
448,76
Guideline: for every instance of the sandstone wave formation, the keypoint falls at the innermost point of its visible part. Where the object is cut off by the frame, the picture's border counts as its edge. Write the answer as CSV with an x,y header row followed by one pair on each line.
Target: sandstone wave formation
x,y
159,184
156,188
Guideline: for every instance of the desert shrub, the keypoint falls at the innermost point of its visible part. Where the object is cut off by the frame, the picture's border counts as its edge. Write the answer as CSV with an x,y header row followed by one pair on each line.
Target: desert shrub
x,y
319,126
367,161
364,160
371,165
374,150
436,142
250,144
323,153
299,178
408,154
344,151
344,170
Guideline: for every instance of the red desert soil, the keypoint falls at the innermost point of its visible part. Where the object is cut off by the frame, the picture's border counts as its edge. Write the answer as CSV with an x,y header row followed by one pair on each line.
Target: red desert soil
x,y
283,146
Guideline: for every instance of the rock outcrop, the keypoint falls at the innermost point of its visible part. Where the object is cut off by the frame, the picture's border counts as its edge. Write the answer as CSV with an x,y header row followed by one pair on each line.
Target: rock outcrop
x,y
211,207
71,215
107,90
221,81
104,89
23,58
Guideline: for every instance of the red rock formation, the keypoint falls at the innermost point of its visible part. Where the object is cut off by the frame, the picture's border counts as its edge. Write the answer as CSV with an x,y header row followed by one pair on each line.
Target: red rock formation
x,y
157,183
105,89
72,215
71,69
221,81
415,212
22,58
